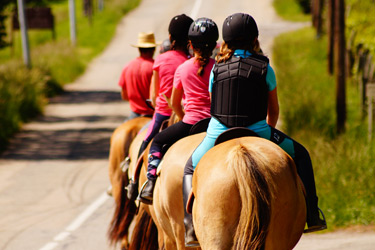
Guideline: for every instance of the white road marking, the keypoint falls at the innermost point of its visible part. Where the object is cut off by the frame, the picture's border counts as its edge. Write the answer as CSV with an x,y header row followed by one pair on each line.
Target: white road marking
x,y
196,7
74,225
100,201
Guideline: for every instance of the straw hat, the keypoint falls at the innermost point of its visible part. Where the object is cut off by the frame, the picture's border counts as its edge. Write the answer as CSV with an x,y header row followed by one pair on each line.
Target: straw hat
x,y
145,40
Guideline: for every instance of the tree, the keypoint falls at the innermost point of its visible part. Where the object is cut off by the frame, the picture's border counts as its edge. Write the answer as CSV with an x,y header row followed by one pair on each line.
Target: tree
x,y
317,20
340,59
331,27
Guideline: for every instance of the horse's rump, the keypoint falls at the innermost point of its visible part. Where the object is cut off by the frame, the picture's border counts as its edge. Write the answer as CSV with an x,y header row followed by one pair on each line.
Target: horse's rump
x,y
247,196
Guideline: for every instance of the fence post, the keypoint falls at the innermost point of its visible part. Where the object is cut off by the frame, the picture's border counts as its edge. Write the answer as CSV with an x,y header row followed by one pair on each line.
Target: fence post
x,y
370,93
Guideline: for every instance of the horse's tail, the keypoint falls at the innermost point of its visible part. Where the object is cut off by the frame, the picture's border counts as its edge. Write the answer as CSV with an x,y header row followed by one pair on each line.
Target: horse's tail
x,y
255,193
124,213
145,233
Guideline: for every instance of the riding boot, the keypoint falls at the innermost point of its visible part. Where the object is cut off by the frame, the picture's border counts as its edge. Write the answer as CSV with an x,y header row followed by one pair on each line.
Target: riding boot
x,y
132,187
306,173
146,195
132,190
314,222
190,237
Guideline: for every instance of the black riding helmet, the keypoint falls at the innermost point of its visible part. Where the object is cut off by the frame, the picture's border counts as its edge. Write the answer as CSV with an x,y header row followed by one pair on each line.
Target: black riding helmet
x,y
203,32
240,27
179,27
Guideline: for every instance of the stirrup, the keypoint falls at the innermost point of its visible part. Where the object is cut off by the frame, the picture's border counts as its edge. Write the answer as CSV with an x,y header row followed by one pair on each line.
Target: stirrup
x,y
140,198
320,227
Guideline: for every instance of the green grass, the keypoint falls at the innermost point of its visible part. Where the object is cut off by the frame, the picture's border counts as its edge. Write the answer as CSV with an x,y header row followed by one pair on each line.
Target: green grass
x,y
58,57
343,164
24,92
290,10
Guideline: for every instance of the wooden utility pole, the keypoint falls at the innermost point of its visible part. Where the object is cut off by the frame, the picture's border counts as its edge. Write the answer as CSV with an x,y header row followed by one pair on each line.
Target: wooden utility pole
x,y
340,59
72,21
331,27
24,35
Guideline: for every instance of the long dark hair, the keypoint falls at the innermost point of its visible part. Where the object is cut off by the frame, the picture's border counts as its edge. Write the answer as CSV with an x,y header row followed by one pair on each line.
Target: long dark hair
x,y
203,54
180,44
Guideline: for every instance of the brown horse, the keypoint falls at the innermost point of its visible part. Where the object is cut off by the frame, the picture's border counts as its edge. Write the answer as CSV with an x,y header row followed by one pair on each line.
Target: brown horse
x,y
126,141
121,140
247,196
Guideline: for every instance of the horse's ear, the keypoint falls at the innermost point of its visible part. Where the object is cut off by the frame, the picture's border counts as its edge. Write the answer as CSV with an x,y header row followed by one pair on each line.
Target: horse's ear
x,y
189,205
233,133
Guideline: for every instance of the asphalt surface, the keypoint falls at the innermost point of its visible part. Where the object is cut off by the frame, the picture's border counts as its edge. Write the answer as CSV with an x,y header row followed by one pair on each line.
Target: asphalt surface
x,y
54,175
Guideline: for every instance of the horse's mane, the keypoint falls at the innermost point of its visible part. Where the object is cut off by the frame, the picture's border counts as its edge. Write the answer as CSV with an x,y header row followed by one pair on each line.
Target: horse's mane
x,y
256,193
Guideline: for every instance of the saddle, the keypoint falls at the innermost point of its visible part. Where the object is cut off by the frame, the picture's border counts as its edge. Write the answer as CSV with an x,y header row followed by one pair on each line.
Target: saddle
x,y
231,133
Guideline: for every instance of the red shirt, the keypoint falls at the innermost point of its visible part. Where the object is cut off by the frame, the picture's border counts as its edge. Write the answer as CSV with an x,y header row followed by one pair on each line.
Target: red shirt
x,y
135,79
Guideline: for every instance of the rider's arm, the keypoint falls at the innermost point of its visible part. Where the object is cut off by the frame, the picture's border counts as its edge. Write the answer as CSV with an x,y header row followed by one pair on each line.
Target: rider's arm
x,y
273,108
176,102
124,94
154,87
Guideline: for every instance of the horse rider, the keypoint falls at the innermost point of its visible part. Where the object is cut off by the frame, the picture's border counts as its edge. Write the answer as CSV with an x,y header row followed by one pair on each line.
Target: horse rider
x,y
135,79
164,68
244,94
191,82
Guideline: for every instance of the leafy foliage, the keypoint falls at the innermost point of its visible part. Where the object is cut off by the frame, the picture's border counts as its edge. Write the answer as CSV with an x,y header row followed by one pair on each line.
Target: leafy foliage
x,y
360,20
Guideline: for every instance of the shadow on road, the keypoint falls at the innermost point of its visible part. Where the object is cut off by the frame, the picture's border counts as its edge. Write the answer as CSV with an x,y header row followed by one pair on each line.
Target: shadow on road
x,y
60,144
70,143
74,97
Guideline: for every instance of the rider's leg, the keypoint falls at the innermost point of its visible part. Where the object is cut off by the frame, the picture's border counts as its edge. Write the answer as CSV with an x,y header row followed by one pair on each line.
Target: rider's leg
x,y
152,130
190,237
305,171
160,144
206,144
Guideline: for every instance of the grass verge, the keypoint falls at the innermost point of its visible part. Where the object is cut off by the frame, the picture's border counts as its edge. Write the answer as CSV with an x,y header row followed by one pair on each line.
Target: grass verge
x,y
343,164
24,92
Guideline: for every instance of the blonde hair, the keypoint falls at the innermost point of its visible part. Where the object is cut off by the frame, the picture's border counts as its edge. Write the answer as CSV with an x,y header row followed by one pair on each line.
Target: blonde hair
x,y
227,49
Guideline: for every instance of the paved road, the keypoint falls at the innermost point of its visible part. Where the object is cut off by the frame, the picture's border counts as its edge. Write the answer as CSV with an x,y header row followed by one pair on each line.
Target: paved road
x,y
54,175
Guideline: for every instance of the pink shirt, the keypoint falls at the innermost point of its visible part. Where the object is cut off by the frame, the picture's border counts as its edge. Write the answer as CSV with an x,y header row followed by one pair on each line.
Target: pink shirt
x,y
166,65
135,79
196,98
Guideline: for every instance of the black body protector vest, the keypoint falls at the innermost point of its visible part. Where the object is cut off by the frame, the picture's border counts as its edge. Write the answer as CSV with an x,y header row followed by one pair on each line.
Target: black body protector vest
x,y
239,91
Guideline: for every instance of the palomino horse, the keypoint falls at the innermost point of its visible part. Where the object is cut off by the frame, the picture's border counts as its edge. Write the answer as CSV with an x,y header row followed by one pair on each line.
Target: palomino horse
x,y
247,196
126,141
121,140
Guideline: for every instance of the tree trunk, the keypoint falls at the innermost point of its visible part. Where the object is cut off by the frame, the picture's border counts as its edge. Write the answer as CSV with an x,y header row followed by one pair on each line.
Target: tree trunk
x,y
340,59
317,9
331,25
